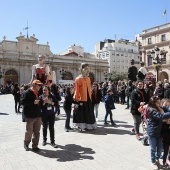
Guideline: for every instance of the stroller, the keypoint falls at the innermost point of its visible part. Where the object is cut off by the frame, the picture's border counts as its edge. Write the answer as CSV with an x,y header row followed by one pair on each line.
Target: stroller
x,y
144,117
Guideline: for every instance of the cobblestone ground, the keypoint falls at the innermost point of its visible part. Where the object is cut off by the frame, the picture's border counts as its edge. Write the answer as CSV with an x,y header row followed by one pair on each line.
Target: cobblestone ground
x,y
107,148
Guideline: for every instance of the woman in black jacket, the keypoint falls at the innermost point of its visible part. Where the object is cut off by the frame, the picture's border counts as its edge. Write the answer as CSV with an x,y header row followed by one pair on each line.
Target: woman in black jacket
x,y
67,106
138,98
55,90
96,98
16,94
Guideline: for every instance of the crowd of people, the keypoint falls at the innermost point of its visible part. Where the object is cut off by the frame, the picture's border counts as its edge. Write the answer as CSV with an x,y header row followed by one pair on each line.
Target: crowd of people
x,y
40,101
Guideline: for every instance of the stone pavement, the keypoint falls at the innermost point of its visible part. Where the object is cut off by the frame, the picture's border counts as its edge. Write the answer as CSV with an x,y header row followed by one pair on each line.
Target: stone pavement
x,y
107,148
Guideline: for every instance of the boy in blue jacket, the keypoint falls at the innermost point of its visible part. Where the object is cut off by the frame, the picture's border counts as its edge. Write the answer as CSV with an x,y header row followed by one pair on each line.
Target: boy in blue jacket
x,y
109,106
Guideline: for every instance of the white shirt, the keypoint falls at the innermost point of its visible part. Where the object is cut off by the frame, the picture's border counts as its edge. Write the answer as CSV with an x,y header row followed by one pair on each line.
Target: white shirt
x,y
143,70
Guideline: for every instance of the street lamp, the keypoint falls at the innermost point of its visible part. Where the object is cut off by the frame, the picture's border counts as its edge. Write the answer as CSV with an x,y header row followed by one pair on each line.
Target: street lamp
x,y
2,71
157,55
107,75
62,73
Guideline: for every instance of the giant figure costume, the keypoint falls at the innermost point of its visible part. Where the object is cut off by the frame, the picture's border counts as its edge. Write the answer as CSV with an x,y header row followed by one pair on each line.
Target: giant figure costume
x,y
84,117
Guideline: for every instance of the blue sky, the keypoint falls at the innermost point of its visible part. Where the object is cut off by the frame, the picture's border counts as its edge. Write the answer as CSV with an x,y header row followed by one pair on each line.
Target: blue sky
x,y
82,22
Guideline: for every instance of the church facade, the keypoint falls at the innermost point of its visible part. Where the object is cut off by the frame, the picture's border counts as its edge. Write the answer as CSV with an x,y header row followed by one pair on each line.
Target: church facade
x,y
17,58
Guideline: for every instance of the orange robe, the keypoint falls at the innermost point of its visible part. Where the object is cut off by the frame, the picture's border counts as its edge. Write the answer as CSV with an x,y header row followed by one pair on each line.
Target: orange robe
x,y
82,86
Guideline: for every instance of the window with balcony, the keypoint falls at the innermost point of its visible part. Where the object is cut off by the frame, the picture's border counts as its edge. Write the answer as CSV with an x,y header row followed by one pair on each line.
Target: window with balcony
x,y
149,60
163,37
149,41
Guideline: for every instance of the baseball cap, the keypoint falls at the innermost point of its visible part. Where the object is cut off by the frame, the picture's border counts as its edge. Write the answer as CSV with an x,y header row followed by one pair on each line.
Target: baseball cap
x,y
37,82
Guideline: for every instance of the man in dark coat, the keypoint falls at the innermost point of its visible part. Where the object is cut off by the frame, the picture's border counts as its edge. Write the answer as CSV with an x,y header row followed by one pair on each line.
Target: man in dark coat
x,y
132,71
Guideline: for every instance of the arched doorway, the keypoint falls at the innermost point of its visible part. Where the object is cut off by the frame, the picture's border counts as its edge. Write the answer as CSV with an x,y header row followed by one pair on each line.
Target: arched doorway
x,y
10,76
163,75
91,75
67,76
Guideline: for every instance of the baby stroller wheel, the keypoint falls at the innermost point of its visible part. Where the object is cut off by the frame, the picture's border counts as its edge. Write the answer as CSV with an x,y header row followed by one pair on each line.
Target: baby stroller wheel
x,y
145,141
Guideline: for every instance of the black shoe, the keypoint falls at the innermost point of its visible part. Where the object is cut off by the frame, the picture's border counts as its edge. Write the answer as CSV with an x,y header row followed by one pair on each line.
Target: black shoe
x,y
44,143
69,128
127,108
66,129
106,123
54,145
36,149
19,112
26,147
113,124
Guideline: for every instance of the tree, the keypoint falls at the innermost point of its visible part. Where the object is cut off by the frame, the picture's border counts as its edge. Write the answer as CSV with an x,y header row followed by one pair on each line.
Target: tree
x,y
118,76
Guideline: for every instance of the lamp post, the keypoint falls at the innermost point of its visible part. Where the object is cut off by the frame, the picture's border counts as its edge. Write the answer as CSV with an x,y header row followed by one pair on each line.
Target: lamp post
x,y
62,73
157,55
107,75
2,71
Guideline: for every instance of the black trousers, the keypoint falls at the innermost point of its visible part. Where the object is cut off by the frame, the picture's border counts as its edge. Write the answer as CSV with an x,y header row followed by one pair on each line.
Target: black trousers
x,y
17,103
166,151
68,115
108,112
48,121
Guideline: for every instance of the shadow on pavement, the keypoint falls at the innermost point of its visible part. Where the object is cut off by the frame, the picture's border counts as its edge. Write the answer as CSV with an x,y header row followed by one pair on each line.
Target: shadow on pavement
x,y
4,114
70,152
105,130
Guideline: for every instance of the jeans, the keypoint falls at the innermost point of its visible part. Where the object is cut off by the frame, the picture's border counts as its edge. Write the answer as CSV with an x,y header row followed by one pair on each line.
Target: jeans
x,y
96,107
137,122
108,111
155,147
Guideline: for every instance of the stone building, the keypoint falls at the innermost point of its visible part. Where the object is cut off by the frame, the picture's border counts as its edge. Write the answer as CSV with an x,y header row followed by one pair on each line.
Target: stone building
x,y
17,58
157,36
119,53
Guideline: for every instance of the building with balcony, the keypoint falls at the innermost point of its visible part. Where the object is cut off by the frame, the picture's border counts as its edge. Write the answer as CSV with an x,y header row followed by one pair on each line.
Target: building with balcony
x,y
157,36
17,58
119,53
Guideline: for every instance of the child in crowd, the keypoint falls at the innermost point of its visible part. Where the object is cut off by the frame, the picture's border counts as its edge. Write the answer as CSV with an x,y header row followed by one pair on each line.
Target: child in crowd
x,y
156,117
109,106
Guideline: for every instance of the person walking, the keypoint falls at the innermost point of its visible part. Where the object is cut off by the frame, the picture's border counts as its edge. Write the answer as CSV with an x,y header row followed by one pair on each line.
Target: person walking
x,y
16,94
31,109
48,103
109,106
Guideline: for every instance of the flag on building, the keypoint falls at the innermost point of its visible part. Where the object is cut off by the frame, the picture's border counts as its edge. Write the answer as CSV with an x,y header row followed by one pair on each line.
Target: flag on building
x,y
164,13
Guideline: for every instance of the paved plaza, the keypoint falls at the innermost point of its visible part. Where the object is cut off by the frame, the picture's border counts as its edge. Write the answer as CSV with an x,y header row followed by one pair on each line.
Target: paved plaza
x,y
107,148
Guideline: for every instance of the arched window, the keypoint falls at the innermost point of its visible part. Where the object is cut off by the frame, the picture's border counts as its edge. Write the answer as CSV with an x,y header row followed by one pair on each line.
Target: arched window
x,y
11,72
67,76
